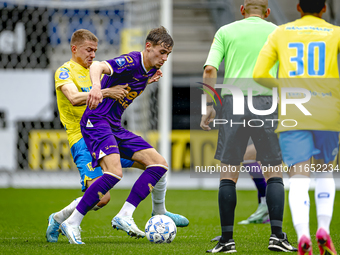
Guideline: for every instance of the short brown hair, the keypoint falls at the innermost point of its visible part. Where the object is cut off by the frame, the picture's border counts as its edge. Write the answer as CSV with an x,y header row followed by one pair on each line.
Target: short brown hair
x,y
158,36
81,36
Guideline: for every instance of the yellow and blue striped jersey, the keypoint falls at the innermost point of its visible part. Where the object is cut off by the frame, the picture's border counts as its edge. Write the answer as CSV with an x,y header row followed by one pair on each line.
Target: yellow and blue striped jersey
x,y
70,116
306,48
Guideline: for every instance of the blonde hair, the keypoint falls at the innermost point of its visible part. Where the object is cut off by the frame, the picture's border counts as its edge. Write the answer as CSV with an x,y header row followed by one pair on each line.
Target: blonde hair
x,y
81,36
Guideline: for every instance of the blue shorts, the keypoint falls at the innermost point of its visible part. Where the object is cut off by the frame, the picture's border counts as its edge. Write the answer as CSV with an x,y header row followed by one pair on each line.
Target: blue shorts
x,y
300,145
82,158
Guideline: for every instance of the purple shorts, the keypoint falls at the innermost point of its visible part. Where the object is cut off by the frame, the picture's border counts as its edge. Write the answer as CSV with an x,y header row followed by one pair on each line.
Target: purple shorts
x,y
104,140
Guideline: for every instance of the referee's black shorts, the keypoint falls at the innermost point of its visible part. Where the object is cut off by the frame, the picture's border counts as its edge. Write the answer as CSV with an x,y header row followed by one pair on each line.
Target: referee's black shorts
x,y
234,135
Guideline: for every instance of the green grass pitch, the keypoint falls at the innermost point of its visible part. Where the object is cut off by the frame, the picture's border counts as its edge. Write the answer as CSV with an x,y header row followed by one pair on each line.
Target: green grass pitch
x,y
24,213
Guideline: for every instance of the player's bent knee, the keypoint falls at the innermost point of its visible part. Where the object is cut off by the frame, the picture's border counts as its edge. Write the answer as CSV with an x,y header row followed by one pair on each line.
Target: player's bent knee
x,y
158,161
115,170
164,163
161,161
119,173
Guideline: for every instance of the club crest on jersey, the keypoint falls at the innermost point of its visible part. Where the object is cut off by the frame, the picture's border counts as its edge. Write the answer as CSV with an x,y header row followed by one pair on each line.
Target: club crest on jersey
x,y
120,61
63,75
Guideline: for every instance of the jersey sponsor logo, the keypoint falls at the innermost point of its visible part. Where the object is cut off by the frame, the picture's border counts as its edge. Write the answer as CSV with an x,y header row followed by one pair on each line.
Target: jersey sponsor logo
x,y
63,75
86,89
129,59
64,69
313,28
120,61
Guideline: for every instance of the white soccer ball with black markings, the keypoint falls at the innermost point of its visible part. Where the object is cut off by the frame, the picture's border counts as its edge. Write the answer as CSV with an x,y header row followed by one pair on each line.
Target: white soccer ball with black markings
x,y
160,229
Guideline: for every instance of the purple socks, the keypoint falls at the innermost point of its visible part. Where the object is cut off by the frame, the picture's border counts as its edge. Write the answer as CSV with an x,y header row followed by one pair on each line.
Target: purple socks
x,y
145,183
96,191
258,178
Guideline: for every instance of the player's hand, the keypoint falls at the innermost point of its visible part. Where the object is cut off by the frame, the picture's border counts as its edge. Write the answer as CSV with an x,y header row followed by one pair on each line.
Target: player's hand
x,y
209,117
156,76
95,97
118,92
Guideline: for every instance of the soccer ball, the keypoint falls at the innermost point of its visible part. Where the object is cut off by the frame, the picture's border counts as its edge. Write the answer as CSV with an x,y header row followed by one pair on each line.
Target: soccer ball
x,y
160,229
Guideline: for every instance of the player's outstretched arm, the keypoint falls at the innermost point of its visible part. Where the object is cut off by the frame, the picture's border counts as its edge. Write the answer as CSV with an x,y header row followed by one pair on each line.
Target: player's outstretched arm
x,y
95,96
78,98
156,76
209,77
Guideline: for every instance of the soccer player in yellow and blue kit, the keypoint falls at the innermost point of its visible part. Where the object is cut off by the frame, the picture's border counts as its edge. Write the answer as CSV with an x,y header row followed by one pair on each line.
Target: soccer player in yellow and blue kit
x,y
73,84
307,51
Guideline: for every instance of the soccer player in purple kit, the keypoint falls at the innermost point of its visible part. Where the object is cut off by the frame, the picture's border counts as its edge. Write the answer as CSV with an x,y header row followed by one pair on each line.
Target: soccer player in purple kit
x,y
107,140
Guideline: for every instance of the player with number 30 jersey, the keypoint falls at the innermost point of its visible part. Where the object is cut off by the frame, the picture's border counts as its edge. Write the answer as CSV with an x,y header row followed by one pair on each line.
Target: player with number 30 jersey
x,y
306,48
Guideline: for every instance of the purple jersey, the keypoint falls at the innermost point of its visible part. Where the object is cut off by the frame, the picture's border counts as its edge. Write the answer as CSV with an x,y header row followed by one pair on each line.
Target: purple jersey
x,y
127,69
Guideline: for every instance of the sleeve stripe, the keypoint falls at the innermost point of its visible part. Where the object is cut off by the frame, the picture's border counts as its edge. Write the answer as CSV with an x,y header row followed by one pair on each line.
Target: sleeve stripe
x,y
110,67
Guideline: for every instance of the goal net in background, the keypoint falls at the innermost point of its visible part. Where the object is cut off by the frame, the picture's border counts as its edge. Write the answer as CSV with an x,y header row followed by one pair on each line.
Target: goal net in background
x,y
34,41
